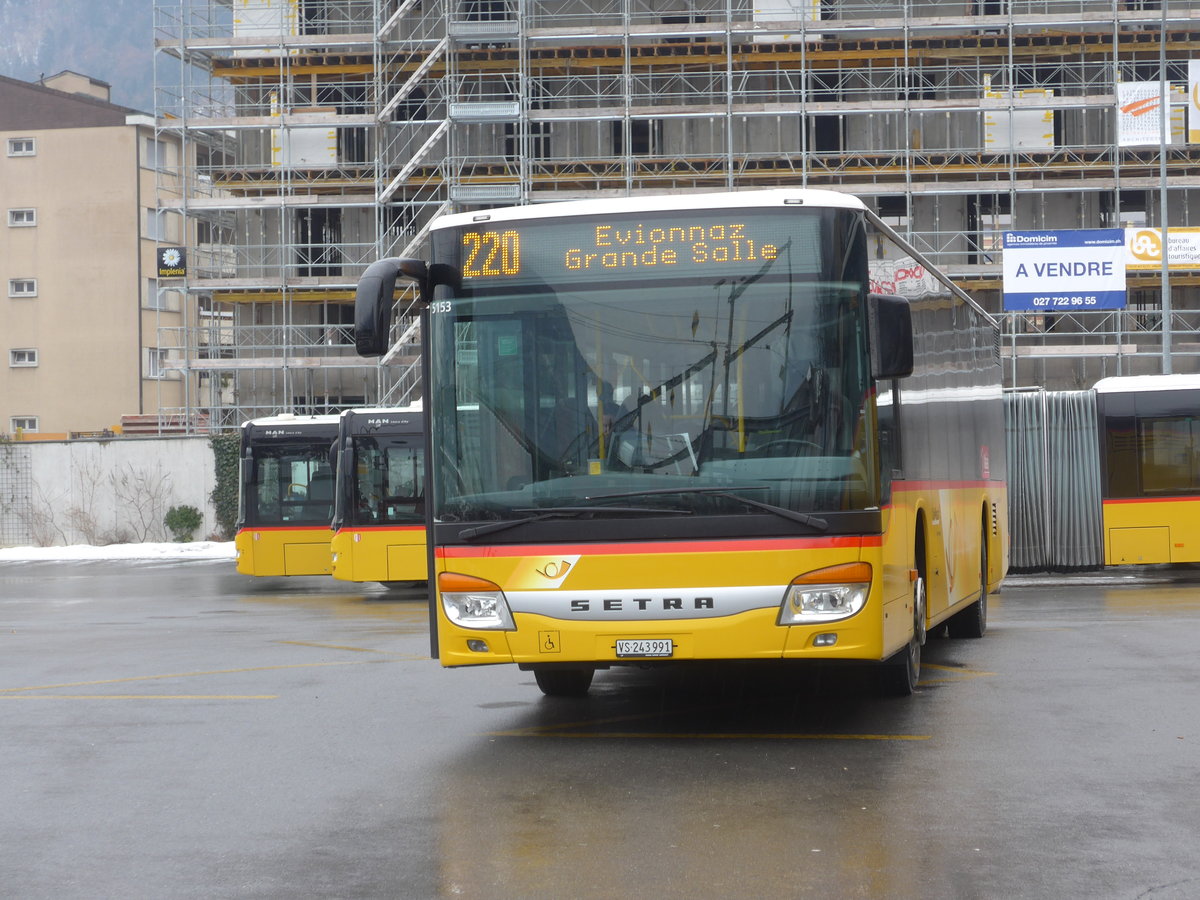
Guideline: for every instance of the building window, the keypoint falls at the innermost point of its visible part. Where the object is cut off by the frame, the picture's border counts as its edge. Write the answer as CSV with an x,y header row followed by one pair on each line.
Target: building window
x,y
162,225
22,357
23,423
155,360
645,137
22,287
156,154
22,217
156,225
156,298
21,147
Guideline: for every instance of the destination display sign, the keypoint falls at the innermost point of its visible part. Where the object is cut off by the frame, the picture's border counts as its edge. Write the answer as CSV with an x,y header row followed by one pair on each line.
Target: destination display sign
x,y
671,244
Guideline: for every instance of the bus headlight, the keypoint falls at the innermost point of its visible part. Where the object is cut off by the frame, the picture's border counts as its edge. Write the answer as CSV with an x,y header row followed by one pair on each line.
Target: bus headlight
x,y
474,603
826,595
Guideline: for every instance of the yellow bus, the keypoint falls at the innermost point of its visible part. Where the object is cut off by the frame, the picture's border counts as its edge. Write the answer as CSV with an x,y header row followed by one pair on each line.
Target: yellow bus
x,y
285,496
379,515
1150,468
731,426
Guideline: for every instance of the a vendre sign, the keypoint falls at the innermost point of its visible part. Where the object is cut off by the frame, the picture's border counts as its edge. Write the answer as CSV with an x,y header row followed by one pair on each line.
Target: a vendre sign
x,y
1082,269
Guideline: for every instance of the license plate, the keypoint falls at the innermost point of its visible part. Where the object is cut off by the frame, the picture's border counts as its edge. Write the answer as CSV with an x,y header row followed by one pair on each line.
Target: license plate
x,y
646,647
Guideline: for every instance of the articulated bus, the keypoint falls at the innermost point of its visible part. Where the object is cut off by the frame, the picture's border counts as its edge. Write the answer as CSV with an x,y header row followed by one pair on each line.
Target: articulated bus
x,y
1150,468
730,426
379,515
285,496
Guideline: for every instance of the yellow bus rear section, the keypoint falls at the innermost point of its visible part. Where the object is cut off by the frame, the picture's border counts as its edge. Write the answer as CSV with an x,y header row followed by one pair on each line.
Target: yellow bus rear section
x,y
380,554
1145,531
284,551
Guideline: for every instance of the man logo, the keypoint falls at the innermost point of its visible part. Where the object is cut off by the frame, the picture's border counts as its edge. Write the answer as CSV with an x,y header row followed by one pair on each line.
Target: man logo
x,y
555,571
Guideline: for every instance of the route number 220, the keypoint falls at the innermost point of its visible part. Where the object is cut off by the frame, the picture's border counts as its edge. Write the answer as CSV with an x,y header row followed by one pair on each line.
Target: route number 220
x,y
491,253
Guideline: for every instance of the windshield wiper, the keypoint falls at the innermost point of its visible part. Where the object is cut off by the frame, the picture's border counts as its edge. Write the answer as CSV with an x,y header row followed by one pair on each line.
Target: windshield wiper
x,y
567,512
803,518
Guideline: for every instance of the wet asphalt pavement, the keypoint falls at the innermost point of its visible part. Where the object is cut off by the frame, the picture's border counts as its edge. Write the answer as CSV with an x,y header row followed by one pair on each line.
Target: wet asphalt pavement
x,y
178,730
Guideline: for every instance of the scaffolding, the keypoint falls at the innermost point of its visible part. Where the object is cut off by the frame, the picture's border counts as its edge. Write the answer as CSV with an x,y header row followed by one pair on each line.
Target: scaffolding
x,y
320,135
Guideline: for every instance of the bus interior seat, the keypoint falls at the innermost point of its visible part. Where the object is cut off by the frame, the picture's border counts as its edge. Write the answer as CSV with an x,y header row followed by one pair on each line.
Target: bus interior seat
x,y
320,496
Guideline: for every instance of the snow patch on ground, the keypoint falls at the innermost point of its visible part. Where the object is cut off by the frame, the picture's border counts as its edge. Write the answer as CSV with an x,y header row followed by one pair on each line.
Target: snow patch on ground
x,y
190,550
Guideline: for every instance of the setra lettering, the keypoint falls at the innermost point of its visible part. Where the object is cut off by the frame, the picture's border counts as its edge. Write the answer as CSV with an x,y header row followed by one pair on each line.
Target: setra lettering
x,y
643,604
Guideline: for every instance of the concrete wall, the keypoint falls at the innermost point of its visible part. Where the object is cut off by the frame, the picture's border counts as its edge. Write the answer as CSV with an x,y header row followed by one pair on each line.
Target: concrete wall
x,y
103,491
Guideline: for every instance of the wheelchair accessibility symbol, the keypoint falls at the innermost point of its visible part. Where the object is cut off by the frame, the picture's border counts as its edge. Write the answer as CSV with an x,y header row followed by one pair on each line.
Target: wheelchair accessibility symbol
x,y
548,642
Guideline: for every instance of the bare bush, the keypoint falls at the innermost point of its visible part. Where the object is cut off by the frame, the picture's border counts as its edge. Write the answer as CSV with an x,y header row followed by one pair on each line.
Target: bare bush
x,y
40,521
82,515
145,497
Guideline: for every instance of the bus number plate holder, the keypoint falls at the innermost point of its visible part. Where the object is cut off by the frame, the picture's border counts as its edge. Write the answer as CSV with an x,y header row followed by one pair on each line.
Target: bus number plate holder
x,y
645,647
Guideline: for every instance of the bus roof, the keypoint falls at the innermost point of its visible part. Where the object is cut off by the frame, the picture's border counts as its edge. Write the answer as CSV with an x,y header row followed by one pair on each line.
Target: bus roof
x,y
412,409
403,419
292,419
1144,384
772,197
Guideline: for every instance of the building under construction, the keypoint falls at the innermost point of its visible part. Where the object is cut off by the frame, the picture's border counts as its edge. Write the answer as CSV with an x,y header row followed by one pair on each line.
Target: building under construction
x,y
320,135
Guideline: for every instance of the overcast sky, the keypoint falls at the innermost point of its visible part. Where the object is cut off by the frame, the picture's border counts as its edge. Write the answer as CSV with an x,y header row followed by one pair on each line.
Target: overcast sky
x,y
109,40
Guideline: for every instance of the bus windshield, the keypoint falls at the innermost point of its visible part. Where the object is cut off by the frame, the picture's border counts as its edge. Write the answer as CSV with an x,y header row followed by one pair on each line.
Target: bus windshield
x,y
388,480
736,372
290,484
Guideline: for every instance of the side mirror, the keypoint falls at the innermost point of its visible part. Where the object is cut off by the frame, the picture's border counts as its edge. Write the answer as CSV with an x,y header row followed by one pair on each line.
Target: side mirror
x,y
890,331
373,301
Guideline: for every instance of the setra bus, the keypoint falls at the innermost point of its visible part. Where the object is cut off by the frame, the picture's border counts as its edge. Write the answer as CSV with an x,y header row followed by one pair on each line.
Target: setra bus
x,y
678,428
285,495
1150,468
379,513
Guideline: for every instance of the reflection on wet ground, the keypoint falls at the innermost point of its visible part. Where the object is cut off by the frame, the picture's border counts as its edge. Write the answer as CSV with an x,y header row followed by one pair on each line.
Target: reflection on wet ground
x,y
230,736
407,610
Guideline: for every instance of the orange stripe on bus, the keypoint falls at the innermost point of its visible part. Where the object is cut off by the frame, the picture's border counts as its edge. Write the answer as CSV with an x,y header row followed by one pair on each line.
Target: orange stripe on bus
x,y
312,528
1116,500
350,529
903,486
748,545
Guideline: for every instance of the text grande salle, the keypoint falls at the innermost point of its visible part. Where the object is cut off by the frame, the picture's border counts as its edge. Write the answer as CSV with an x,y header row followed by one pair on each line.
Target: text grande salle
x,y
700,253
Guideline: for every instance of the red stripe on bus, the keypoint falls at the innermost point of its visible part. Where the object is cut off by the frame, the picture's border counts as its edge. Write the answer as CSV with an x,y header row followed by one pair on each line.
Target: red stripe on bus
x,y
747,545
313,528
941,485
352,529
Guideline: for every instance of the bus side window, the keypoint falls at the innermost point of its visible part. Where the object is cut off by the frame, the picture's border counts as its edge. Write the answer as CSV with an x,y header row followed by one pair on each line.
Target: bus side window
x,y
888,410
1168,463
1121,456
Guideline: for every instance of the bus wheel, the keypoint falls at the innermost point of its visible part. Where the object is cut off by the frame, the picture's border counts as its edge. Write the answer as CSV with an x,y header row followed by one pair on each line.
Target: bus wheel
x,y
563,682
972,621
899,674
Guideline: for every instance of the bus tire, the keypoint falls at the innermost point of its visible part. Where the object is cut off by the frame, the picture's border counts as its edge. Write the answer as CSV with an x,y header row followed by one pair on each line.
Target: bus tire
x,y
899,673
972,621
556,681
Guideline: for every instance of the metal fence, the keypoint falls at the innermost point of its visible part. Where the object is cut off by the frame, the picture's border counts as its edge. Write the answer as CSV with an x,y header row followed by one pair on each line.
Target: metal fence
x,y
16,494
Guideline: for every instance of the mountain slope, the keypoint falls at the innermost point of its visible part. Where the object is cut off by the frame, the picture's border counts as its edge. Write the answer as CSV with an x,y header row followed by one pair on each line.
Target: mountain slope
x,y
111,41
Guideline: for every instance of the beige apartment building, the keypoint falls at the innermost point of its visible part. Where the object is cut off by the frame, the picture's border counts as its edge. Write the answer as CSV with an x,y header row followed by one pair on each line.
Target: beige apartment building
x,y
80,302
